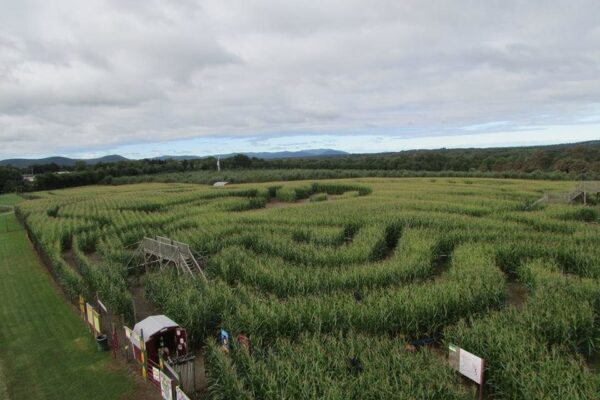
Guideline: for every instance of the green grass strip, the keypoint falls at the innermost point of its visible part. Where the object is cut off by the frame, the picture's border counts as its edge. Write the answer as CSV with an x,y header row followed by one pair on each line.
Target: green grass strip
x,y
45,351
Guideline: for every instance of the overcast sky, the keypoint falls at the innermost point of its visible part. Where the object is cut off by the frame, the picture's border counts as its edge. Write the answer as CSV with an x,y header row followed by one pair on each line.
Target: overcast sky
x,y
144,78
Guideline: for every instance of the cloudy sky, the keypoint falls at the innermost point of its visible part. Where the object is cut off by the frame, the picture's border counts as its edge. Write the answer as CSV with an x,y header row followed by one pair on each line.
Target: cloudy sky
x,y
148,77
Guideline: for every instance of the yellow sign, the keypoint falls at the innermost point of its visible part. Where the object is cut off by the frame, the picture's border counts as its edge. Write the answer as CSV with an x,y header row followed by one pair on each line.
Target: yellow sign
x,y
90,313
96,321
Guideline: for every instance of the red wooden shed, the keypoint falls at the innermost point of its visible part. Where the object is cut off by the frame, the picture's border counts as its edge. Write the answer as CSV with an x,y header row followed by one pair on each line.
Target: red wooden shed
x,y
159,332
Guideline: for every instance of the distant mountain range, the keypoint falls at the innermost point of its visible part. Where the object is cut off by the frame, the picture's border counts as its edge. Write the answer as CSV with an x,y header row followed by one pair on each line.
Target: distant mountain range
x,y
306,154
291,154
69,162
62,161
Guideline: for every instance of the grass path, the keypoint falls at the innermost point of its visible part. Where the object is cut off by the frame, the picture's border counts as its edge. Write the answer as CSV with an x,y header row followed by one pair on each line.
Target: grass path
x,y
45,350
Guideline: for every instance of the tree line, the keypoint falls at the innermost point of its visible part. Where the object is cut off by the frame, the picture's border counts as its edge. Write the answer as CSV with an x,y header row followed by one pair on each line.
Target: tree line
x,y
578,161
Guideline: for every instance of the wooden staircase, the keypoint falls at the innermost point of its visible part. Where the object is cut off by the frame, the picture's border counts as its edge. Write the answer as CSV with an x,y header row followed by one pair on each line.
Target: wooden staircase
x,y
189,262
581,192
163,252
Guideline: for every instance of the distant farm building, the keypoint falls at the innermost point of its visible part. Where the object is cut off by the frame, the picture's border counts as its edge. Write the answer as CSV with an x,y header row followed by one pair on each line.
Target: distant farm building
x,y
220,184
28,177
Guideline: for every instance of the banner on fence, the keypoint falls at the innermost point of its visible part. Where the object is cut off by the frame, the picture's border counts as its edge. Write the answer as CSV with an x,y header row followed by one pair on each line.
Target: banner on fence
x,y
133,337
96,320
180,394
166,390
89,311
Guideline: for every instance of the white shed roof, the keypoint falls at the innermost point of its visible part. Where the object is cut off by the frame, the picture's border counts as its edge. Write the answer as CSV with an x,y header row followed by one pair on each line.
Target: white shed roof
x,y
153,325
220,183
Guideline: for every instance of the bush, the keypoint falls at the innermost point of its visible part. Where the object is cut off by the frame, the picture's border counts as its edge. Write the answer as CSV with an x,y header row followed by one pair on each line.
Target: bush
x,y
318,197
286,194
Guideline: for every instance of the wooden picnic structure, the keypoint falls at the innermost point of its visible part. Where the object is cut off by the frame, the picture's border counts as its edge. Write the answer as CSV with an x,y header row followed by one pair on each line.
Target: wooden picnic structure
x,y
167,253
580,193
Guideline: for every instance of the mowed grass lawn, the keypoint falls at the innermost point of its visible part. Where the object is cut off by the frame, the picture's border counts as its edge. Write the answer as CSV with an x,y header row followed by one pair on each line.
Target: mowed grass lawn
x,y
9,199
45,350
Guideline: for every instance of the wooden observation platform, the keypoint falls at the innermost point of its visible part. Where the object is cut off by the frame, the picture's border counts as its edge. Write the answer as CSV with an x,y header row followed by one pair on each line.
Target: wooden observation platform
x,y
165,253
580,193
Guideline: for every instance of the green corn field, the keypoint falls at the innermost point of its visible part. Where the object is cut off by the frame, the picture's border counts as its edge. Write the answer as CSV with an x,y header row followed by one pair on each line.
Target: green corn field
x,y
332,280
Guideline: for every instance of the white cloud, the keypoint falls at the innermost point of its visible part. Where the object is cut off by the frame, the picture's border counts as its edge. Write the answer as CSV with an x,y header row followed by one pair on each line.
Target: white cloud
x,y
83,76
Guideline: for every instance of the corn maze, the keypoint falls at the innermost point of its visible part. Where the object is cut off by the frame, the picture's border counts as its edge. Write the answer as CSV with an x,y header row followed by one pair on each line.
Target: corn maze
x,y
333,281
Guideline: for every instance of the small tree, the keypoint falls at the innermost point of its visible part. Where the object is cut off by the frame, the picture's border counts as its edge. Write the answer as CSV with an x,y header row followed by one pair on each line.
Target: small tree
x,y
240,161
80,165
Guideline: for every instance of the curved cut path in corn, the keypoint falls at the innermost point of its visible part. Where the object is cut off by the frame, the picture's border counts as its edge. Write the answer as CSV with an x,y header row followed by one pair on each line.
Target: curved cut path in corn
x,y
349,276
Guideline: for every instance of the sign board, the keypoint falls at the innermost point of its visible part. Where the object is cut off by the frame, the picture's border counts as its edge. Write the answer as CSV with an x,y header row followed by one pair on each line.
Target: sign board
x,y
165,387
466,363
89,313
180,394
471,366
156,374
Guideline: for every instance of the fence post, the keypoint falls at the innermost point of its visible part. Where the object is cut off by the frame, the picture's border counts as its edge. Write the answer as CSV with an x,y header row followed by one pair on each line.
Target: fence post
x,y
143,355
82,306
115,340
481,384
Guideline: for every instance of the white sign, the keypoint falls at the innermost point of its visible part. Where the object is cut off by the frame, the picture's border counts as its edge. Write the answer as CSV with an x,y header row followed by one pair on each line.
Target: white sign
x,y
101,304
471,366
156,374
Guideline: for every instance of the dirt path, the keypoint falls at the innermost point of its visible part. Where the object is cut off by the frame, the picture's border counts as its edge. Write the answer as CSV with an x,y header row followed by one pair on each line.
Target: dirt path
x,y
442,264
517,294
594,361
142,307
274,203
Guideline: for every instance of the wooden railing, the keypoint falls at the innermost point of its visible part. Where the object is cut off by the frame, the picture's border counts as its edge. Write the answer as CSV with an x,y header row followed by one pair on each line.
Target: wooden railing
x,y
566,197
173,251
590,187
